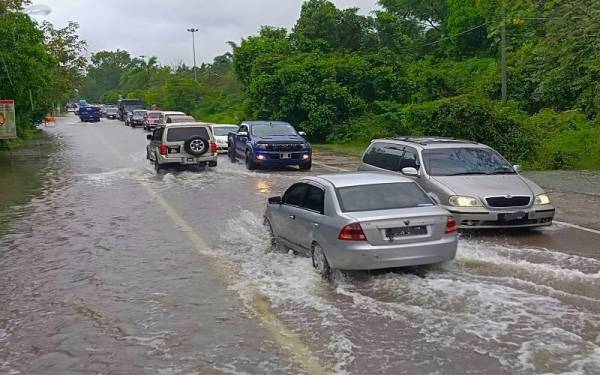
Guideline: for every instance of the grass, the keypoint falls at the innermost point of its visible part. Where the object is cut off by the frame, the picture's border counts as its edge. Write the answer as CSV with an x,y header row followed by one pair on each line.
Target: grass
x,y
350,149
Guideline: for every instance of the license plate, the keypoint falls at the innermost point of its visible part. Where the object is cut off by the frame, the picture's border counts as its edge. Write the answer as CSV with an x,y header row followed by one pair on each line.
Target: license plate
x,y
190,159
406,231
510,216
173,150
285,156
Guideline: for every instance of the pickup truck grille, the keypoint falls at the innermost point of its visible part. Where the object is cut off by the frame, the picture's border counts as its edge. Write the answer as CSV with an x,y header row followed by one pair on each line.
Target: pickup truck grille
x,y
518,201
284,147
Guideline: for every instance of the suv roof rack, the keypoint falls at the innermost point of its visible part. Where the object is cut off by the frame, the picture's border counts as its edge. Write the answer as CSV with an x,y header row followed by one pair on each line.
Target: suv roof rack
x,y
424,141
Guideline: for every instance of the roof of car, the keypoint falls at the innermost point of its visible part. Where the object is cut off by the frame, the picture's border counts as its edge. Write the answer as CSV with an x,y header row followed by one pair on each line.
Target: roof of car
x,y
172,113
228,125
433,142
185,124
360,178
262,122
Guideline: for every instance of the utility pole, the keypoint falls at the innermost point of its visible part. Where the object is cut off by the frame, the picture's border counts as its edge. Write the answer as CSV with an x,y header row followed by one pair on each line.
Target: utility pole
x,y
193,31
503,58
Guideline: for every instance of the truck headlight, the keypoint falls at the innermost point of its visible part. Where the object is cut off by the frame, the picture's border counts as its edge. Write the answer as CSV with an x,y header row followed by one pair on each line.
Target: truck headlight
x,y
261,146
463,201
542,199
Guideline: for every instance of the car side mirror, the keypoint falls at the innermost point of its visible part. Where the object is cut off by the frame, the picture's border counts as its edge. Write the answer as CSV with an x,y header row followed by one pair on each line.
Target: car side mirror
x,y
517,168
275,200
149,137
243,134
302,134
410,171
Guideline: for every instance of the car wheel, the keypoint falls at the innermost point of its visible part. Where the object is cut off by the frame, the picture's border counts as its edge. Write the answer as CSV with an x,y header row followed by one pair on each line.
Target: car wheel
x,y
250,164
231,154
273,240
305,166
196,146
157,166
319,261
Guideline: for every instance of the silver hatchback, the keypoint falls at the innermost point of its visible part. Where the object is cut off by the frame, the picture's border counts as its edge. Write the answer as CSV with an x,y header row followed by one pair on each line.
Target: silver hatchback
x,y
361,221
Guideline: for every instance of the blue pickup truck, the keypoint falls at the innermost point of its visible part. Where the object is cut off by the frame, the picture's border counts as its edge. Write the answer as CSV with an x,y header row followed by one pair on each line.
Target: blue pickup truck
x,y
269,144
89,113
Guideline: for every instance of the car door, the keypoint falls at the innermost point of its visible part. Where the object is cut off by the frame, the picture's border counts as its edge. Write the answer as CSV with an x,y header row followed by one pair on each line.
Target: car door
x,y
240,141
156,141
309,216
285,220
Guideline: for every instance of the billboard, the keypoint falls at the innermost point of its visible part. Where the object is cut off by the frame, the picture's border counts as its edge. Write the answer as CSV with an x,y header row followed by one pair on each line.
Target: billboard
x,y
8,125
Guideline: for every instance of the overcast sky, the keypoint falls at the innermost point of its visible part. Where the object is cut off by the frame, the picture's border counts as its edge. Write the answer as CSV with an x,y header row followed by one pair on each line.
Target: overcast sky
x,y
158,27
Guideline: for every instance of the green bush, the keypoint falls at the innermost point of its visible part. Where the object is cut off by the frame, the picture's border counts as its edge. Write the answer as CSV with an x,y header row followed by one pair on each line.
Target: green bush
x,y
471,118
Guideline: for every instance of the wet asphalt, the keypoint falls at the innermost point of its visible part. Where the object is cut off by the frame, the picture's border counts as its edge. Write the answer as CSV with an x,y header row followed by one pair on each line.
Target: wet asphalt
x,y
108,268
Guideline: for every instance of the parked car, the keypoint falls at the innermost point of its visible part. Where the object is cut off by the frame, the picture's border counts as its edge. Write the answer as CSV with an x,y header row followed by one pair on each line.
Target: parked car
x,y
220,131
152,120
175,119
137,117
89,114
128,105
471,180
111,113
185,144
361,221
269,143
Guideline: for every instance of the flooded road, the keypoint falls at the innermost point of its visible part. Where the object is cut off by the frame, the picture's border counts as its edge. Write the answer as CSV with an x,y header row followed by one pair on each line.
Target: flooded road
x,y
106,267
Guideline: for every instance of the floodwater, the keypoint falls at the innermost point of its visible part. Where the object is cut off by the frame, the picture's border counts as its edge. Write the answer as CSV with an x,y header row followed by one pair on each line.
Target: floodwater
x,y
106,267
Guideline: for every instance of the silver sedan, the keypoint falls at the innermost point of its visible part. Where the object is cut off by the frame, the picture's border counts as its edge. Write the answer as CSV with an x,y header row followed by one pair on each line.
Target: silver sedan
x,y
361,221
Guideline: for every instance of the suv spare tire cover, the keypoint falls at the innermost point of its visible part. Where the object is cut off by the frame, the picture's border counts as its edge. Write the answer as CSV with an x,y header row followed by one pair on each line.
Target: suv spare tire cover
x,y
196,146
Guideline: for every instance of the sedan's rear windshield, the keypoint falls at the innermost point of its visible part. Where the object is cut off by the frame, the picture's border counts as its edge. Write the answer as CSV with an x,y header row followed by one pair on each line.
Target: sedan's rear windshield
x,y
182,134
382,197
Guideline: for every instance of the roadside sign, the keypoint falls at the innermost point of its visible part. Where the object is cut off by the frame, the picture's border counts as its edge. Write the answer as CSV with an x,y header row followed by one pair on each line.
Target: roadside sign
x,y
8,124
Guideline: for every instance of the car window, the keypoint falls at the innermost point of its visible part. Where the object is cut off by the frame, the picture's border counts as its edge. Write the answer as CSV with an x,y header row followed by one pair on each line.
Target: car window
x,y
409,159
465,160
294,196
158,133
243,128
382,197
314,199
222,130
385,155
182,134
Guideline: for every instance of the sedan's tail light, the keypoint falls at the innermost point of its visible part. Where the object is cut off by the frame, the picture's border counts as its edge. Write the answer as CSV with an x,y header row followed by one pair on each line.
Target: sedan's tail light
x,y
451,225
163,150
213,148
352,232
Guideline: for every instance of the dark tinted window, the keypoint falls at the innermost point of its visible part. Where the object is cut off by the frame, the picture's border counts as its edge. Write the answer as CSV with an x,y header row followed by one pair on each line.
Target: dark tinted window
x,y
182,134
410,158
382,197
315,199
385,155
463,161
294,196
243,128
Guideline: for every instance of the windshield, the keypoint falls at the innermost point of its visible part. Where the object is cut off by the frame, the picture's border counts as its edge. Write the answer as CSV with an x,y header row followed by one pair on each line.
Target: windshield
x,y
465,161
139,113
382,197
111,110
220,131
154,115
269,130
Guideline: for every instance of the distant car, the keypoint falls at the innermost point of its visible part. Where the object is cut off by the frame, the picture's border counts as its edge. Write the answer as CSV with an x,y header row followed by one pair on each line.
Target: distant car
x,y
471,180
89,114
185,144
162,118
220,131
137,117
128,105
111,113
269,144
176,119
361,221
152,120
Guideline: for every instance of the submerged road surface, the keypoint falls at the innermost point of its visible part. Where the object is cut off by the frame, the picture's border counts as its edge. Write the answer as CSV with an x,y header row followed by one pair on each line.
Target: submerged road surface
x,y
106,267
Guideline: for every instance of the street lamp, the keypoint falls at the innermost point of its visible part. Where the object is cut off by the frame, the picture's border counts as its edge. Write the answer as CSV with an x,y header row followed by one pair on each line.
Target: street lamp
x,y
193,31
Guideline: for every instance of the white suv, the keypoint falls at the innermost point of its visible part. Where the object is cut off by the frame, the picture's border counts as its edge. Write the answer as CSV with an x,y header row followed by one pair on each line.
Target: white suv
x,y
186,144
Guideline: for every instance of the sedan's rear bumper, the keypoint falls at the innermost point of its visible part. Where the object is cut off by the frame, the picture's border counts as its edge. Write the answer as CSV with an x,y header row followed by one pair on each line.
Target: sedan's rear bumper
x,y
363,256
482,218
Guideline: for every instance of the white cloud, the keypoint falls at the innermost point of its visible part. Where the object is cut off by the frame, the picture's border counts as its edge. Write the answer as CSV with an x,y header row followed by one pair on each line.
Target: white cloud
x,y
158,27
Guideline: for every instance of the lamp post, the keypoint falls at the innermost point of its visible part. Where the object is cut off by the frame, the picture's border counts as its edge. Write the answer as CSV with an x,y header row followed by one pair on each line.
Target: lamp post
x,y
193,31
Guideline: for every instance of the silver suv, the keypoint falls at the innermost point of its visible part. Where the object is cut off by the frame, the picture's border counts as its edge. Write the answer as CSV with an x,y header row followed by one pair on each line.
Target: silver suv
x,y
186,144
471,180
